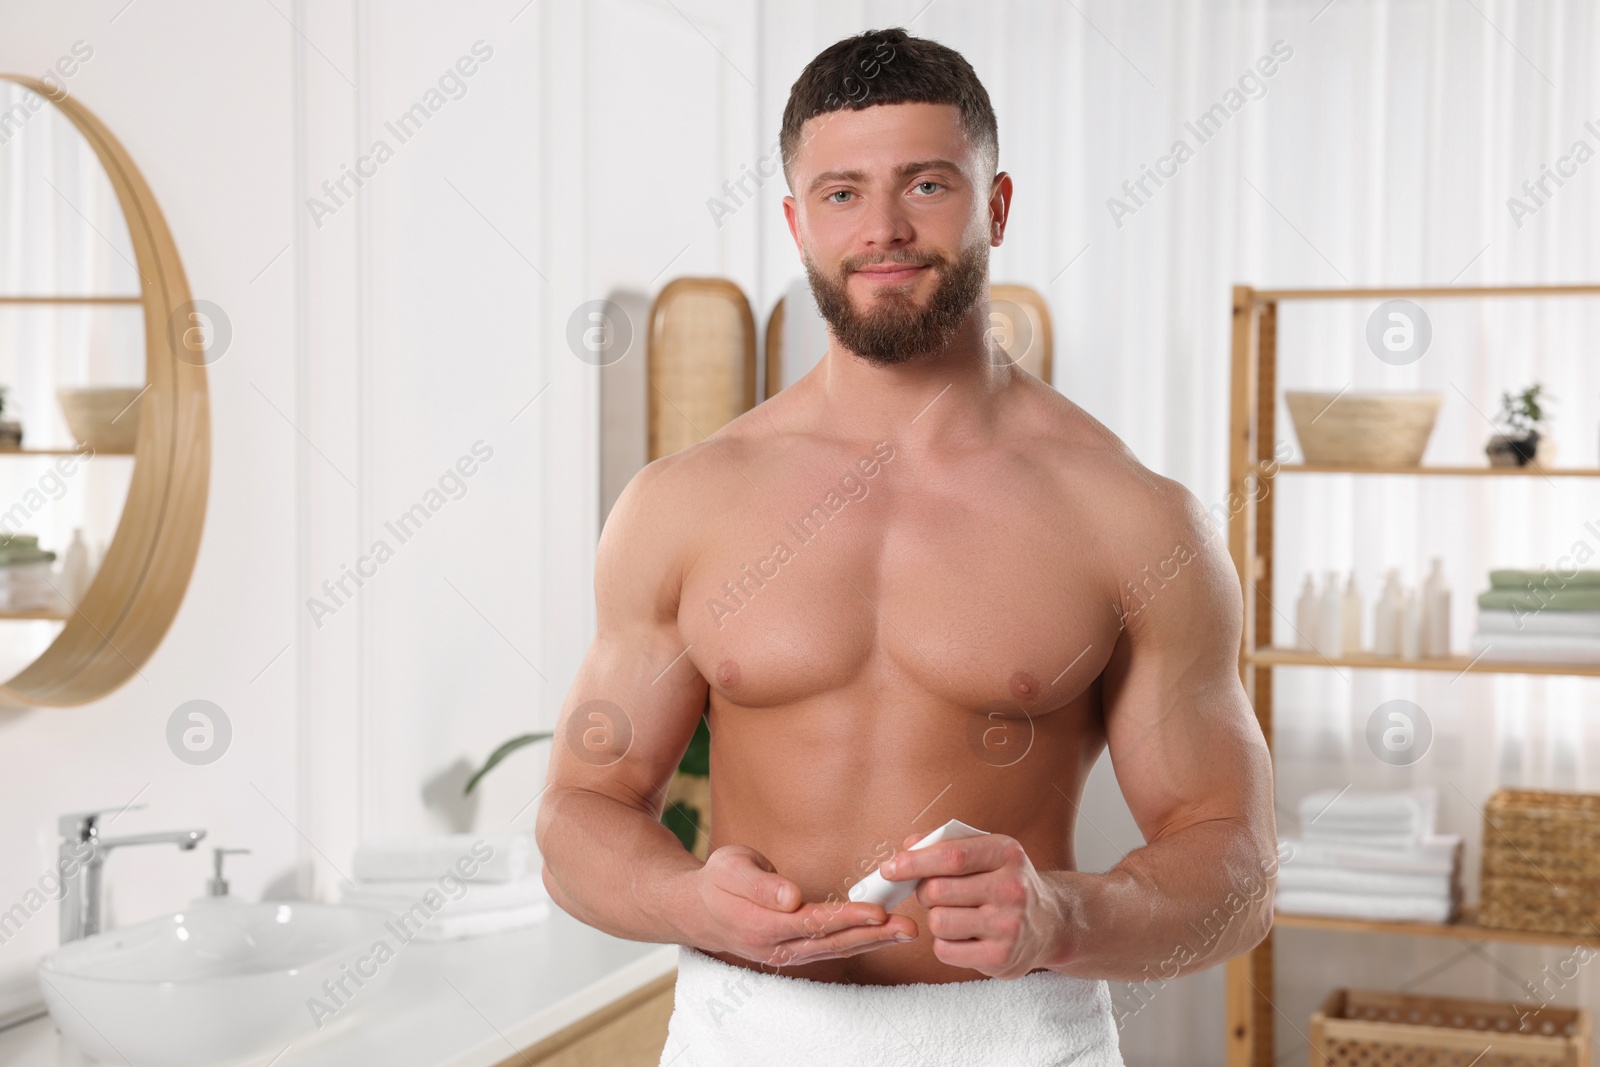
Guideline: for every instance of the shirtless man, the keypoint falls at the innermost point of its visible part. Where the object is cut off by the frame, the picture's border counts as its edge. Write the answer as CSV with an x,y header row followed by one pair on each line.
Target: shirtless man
x,y
918,584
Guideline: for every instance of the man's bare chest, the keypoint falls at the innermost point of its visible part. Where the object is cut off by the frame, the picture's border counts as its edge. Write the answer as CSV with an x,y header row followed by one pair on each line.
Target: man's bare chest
x,y
975,592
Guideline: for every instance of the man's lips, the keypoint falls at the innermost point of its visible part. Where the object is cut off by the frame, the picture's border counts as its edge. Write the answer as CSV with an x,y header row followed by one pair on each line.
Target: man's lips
x,y
891,272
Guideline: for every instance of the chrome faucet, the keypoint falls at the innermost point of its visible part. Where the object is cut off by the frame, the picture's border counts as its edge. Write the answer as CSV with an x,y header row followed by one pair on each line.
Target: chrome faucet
x,y
83,855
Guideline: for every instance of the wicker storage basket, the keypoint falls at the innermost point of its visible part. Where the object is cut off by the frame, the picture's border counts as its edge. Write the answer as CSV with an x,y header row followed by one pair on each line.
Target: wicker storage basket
x,y
1387,429
1373,1028
1541,862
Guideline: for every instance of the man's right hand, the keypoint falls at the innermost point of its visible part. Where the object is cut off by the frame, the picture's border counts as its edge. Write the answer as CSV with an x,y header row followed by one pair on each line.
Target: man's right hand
x,y
740,904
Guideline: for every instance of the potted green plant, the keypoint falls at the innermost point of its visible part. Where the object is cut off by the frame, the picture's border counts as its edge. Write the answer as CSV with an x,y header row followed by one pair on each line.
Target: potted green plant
x,y
10,429
1523,416
688,795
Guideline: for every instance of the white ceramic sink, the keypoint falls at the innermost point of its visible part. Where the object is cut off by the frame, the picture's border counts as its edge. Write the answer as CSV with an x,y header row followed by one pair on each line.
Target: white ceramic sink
x,y
218,984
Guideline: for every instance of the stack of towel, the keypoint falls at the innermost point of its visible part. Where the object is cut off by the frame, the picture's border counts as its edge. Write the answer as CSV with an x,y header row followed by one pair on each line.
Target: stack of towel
x,y
450,886
1539,616
25,576
1370,856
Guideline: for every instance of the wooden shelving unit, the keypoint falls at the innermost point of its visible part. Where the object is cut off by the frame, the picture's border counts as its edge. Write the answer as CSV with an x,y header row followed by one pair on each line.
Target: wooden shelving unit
x,y
1463,929
1252,437
37,614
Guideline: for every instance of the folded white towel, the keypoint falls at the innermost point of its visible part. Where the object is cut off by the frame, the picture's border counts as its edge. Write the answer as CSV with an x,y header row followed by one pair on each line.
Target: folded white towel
x,y
1400,814
1435,854
1316,879
1399,842
492,857
446,927
458,896
1536,648
1539,623
1366,906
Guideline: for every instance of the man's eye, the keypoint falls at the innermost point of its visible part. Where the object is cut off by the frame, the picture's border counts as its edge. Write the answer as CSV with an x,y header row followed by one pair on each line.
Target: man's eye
x,y
838,192
936,185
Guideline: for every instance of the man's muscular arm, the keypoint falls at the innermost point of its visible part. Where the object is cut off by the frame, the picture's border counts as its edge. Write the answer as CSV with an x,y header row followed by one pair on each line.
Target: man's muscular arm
x,y
1194,768
629,716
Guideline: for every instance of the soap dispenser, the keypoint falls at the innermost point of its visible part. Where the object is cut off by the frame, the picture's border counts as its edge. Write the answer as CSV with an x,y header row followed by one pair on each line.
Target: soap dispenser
x,y
217,886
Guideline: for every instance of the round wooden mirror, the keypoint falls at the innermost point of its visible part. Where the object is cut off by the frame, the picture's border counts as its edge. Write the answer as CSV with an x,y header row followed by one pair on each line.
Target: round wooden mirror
x,y
77,314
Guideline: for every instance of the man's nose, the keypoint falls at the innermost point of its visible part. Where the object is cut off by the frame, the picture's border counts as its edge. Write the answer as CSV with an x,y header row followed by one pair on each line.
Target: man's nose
x,y
885,224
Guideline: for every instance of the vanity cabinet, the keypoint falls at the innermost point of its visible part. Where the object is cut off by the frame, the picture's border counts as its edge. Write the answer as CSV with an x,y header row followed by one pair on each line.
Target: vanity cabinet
x,y
629,1032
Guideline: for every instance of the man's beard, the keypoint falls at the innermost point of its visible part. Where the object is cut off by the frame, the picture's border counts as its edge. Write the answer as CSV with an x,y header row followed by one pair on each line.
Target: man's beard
x,y
896,329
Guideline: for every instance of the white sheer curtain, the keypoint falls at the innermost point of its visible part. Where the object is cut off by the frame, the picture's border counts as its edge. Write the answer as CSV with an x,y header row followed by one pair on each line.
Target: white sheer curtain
x,y
1382,151
61,233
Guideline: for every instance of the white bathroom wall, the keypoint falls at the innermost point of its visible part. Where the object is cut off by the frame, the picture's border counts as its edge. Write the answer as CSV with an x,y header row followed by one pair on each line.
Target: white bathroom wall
x,y
375,345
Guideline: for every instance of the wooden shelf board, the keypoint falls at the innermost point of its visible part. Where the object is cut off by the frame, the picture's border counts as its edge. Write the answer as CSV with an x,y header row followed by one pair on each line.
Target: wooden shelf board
x,y
86,299
1465,928
61,452
49,616
1513,472
1272,296
1295,657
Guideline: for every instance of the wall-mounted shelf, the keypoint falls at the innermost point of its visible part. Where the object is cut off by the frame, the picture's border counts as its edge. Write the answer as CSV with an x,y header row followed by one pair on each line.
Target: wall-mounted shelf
x,y
1494,472
1296,657
35,615
1252,440
1465,929
71,299
63,452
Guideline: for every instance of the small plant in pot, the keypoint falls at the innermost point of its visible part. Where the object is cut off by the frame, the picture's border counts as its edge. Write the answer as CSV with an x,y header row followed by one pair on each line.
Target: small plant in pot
x,y
1522,415
10,429
687,796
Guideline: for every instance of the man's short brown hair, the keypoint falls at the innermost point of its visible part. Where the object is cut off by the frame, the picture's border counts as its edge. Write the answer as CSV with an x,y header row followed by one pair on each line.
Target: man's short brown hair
x,y
888,67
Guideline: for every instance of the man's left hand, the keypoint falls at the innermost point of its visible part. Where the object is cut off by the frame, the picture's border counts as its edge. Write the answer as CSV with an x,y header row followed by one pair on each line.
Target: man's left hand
x,y
988,908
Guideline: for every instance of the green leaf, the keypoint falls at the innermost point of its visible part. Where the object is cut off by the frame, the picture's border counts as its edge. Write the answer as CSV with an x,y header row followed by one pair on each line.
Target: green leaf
x,y
501,753
697,757
683,821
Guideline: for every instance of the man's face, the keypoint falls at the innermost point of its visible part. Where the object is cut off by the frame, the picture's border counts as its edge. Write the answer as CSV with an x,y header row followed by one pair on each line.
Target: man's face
x,y
894,211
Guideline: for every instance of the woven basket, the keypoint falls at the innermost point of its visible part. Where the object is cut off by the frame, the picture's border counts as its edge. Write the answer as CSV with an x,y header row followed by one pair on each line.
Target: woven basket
x,y
1363,429
1373,1028
106,418
1541,862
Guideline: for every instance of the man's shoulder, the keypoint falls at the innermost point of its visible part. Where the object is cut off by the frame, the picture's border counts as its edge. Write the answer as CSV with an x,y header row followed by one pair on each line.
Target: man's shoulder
x,y
1134,515
664,507
1098,466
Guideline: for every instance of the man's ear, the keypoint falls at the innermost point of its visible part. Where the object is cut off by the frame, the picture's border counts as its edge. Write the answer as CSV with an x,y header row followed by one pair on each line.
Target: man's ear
x,y
791,215
999,207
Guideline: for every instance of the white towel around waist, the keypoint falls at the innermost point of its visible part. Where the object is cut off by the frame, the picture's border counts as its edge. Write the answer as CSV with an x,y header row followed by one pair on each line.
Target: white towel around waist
x,y
727,1016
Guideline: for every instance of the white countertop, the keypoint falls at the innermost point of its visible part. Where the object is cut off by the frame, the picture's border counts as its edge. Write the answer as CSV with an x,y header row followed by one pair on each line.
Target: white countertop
x,y
509,991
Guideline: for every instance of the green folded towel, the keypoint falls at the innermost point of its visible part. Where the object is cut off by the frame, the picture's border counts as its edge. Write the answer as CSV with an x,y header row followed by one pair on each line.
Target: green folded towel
x,y
15,556
1517,578
1567,599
